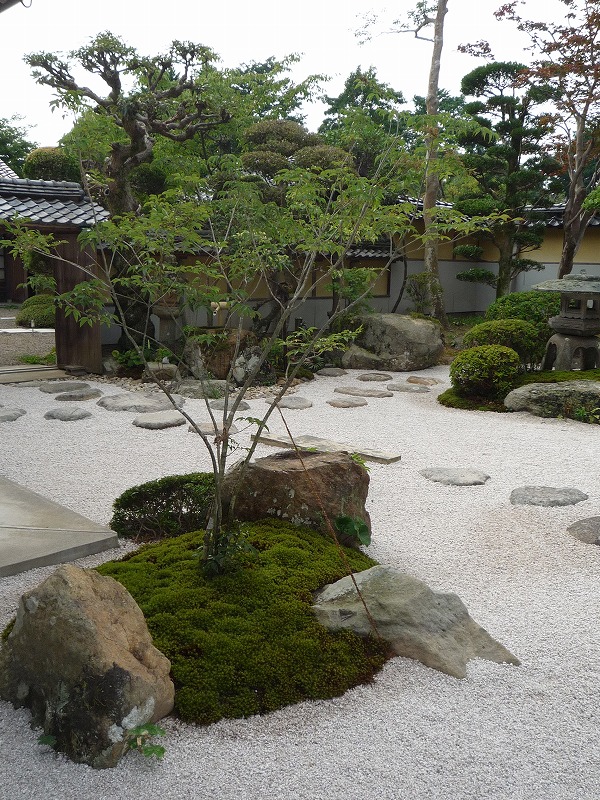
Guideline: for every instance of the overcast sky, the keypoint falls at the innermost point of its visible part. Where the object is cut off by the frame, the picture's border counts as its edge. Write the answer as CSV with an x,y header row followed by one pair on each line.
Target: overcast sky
x,y
322,31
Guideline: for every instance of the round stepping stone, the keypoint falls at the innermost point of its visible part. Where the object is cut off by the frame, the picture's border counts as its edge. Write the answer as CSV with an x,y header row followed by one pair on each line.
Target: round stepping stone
x,y
455,476
219,405
79,394
294,401
54,387
358,391
411,388
67,414
348,402
158,420
10,414
331,372
586,530
375,376
546,496
138,403
422,381
208,429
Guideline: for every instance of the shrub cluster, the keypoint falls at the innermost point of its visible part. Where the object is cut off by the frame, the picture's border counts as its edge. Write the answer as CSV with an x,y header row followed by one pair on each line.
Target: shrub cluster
x,y
247,642
165,507
519,335
51,164
486,371
535,307
39,309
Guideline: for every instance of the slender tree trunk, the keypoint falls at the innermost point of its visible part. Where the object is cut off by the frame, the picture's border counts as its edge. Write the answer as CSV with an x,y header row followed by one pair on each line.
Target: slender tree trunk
x,y
506,248
432,179
575,219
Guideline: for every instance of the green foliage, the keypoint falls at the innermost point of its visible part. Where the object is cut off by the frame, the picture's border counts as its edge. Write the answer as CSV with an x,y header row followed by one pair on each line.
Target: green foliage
x,y
534,306
522,337
302,346
39,309
133,358
247,642
139,739
355,528
478,275
485,371
48,360
423,288
14,144
51,164
164,507
470,251
452,399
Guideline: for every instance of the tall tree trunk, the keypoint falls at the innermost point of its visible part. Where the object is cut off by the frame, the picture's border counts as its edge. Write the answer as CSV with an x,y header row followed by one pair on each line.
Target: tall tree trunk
x,y
506,250
575,219
432,179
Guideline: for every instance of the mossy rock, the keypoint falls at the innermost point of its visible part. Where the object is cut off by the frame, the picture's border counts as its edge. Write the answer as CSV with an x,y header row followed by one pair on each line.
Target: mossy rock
x,y
247,642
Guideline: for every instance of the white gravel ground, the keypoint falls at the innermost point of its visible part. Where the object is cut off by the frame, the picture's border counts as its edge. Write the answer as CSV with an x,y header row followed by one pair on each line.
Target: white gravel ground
x,y
507,733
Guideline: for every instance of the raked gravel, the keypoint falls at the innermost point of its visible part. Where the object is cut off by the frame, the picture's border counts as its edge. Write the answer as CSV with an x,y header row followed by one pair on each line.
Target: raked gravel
x,y
507,733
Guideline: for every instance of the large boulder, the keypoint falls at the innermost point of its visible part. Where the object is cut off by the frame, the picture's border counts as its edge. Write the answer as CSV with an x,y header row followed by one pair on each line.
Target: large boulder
x,y
554,399
280,486
395,342
81,658
432,627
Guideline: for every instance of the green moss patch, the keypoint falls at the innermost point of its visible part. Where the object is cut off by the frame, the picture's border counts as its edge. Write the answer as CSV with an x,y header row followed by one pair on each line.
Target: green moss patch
x,y
247,642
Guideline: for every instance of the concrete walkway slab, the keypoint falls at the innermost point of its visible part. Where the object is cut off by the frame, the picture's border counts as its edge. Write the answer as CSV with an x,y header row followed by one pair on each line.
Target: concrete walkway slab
x,y
327,446
30,372
36,532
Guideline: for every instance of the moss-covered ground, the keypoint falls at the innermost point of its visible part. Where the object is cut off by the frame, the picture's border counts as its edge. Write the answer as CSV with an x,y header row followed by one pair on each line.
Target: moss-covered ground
x,y
247,642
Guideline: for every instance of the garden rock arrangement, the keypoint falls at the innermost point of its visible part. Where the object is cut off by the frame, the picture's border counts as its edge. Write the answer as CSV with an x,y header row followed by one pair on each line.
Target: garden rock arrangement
x,y
455,476
546,496
285,487
395,342
554,399
80,657
434,628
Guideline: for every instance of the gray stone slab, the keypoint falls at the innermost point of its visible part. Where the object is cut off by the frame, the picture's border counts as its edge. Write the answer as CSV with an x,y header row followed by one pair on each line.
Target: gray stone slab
x,y
77,395
375,376
359,391
455,476
546,496
67,414
586,530
348,402
421,381
219,405
208,429
158,420
326,446
202,390
11,414
410,388
294,401
138,403
55,387
331,372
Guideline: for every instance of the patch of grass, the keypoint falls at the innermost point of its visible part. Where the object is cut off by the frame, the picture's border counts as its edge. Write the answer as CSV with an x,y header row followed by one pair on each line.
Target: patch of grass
x,y
451,399
247,642
48,360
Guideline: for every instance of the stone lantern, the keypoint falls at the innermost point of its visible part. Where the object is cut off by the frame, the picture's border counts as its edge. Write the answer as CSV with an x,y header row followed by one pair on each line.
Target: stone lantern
x,y
575,344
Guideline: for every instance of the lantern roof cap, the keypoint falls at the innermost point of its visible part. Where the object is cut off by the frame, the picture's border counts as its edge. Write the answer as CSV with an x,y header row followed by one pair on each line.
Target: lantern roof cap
x,y
579,283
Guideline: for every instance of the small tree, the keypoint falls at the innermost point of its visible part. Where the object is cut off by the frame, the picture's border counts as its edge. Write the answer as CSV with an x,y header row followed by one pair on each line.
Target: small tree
x,y
14,144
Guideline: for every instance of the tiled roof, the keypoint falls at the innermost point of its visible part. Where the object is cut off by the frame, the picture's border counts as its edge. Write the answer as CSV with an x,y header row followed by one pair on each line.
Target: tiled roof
x,y
5,170
48,202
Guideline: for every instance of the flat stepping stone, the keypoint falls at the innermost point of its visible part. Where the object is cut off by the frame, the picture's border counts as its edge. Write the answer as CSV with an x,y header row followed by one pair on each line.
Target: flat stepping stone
x,y
417,379
62,386
79,394
67,414
326,446
586,530
208,429
455,476
375,376
293,401
10,414
158,420
348,402
331,372
411,388
358,391
219,405
137,403
202,390
546,496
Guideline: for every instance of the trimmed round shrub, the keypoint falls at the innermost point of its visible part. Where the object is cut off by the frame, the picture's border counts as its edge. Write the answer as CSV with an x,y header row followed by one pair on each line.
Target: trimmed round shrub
x,y
533,306
490,370
51,164
39,309
520,336
164,508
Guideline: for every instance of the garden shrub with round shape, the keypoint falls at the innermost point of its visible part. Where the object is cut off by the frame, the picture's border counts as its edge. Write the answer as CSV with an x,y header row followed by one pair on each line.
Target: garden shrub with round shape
x,y
533,306
164,507
247,642
39,309
519,335
486,371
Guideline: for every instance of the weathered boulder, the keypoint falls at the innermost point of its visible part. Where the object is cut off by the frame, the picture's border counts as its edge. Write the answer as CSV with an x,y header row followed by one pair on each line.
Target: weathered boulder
x,y
554,399
247,362
432,627
202,389
279,486
395,342
81,658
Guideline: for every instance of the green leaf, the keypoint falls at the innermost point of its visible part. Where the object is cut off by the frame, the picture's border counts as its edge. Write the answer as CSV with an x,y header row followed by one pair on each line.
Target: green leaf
x,y
47,739
353,527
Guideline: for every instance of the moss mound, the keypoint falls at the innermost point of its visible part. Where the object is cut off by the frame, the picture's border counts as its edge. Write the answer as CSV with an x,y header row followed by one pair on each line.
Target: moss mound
x,y
247,642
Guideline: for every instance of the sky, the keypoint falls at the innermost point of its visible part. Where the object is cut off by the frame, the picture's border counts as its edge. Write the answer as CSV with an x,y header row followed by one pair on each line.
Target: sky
x,y
321,31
